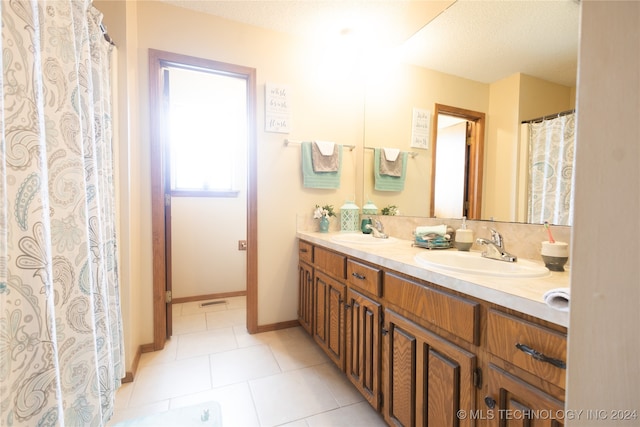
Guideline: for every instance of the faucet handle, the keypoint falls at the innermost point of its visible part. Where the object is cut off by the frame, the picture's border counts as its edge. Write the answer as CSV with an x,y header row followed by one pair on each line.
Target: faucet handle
x,y
496,237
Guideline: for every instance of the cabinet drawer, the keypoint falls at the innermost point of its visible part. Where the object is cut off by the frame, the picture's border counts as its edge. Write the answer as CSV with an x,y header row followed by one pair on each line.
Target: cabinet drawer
x,y
452,313
305,251
542,351
332,263
364,277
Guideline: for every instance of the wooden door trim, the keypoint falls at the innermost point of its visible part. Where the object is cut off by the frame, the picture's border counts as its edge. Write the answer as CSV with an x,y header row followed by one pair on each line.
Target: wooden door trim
x,y
158,59
476,161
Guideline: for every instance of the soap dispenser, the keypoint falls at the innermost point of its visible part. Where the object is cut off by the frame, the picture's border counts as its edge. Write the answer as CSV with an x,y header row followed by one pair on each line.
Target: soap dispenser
x,y
464,236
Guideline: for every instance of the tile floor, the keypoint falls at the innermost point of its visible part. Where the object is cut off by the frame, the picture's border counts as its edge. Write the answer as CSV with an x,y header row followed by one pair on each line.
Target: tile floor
x,y
278,378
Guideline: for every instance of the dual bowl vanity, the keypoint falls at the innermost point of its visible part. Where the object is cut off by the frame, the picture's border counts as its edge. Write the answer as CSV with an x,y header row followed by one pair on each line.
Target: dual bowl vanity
x,y
436,337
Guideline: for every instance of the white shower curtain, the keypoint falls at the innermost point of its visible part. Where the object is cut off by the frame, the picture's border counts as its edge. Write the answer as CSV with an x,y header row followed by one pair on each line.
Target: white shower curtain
x,y
551,153
61,346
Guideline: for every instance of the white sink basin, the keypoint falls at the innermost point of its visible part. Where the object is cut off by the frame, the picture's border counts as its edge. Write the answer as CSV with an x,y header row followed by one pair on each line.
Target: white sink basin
x,y
474,263
362,239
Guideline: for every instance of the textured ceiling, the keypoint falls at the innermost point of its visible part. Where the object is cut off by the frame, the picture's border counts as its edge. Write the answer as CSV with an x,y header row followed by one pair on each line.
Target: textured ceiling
x,y
481,40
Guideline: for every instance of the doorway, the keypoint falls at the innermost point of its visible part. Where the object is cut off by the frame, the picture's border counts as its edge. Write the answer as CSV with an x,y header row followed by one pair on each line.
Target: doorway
x,y
469,160
196,193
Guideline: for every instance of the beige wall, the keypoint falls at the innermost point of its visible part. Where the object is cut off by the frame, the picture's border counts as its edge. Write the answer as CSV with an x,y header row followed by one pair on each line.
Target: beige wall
x,y
331,99
205,258
604,342
500,149
327,104
514,99
121,20
390,100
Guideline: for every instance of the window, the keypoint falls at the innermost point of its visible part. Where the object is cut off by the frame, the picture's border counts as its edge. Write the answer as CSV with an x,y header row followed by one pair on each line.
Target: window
x,y
207,125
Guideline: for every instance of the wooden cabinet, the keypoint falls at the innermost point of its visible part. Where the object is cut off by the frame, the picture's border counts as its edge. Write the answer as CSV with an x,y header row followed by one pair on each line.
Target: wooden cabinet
x,y
427,379
364,277
305,285
363,345
511,402
534,354
528,346
328,320
305,296
420,353
452,313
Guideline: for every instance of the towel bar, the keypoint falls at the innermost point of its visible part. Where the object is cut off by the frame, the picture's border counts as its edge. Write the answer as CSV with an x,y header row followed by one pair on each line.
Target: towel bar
x,y
412,154
287,142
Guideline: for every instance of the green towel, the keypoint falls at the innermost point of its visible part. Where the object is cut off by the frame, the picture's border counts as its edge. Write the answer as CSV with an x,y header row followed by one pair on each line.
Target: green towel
x,y
313,179
387,182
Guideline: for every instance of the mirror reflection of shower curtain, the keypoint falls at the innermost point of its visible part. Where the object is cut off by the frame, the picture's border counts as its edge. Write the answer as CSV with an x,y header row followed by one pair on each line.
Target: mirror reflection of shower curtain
x,y
551,154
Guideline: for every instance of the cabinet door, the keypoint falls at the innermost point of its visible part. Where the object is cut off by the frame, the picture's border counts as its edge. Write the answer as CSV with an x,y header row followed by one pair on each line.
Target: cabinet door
x,y
363,345
328,319
427,379
512,402
305,296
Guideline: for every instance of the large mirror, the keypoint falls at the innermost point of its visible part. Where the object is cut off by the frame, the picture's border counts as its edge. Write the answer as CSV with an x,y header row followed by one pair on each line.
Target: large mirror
x,y
478,39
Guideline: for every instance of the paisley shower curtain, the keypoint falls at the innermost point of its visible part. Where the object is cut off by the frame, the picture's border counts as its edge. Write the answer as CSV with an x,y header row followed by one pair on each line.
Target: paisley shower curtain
x,y
61,345
551,152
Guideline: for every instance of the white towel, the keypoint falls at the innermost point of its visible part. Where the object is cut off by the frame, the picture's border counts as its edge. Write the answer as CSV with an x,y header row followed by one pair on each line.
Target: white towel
x,y
558,298
391,154
326,147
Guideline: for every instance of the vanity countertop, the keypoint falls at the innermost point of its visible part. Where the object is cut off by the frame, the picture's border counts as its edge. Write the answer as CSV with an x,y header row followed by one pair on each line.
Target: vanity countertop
x,y
521,294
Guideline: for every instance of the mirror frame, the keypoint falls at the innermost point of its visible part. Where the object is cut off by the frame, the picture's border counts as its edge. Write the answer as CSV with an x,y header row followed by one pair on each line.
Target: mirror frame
x,y
475,140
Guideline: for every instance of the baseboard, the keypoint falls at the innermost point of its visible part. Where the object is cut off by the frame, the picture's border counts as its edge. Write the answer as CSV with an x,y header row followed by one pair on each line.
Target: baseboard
x,y
279,325
208,297
129,375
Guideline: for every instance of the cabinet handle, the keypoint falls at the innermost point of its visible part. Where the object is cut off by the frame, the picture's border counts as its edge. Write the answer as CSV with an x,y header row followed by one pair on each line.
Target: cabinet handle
x,y
304,250
541,357
385,331
358,276
490,402
347,306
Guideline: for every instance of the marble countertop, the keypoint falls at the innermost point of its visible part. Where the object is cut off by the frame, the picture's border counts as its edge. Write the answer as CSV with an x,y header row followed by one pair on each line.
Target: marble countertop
x,y
521,294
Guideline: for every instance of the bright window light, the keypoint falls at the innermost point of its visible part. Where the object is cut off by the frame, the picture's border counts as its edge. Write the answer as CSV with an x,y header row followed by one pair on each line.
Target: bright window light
x,y
207,129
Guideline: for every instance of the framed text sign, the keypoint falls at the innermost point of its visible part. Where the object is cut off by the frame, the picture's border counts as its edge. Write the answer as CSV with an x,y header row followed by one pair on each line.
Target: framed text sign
x,y
277,108
421,128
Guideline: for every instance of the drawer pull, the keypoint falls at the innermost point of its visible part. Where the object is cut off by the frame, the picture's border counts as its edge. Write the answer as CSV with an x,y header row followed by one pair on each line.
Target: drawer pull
x,y
304,250
541,357
358,276
490,402
384,331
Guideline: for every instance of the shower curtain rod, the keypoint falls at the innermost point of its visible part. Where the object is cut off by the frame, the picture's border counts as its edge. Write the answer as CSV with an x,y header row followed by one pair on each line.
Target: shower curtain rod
x,y
550,116
106,35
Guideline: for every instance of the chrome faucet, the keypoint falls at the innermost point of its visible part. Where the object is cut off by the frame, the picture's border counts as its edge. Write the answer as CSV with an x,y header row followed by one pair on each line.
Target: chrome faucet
x,y
378,229
495,248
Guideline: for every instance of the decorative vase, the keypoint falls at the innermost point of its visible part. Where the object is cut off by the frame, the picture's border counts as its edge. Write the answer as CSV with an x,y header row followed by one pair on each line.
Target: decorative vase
x,y
324,224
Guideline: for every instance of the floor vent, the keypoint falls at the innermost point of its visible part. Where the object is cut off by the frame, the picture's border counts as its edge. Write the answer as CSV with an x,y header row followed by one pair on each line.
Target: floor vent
x,y
208,303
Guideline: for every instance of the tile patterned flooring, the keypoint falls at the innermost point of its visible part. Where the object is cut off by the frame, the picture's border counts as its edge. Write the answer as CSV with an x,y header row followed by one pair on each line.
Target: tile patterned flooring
x,y
278,378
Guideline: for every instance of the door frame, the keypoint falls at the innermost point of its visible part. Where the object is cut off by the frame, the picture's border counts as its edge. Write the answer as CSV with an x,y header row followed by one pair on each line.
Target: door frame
x,y
157,60
476,156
